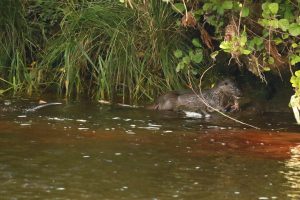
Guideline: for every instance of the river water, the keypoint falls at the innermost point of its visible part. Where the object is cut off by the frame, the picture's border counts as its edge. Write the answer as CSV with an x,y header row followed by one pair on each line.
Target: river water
x,y
84,150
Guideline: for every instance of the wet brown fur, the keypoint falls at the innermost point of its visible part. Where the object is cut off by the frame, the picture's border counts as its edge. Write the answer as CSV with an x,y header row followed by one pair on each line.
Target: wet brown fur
x,y
222,97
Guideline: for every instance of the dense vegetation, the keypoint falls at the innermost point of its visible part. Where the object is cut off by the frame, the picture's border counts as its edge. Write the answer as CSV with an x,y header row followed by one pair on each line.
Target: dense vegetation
x,y
98,47
134,49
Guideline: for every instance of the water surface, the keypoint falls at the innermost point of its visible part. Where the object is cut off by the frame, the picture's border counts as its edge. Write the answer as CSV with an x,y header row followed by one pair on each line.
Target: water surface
x,y
85,150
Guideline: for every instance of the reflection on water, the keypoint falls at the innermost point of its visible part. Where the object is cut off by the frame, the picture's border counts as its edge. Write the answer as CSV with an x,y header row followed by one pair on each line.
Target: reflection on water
x,y
292,173
90,151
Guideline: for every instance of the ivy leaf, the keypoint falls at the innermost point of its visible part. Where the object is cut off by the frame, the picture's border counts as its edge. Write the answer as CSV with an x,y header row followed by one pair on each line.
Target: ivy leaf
x,y
245,12
264,6
293,79
273,8
294,45
295,59
227,5
294,29
283,24
178,53
196,42
278,40
178,7
297,73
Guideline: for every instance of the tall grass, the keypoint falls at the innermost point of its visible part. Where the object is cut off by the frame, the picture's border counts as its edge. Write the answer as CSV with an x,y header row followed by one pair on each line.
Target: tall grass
x,y
15,48
100,48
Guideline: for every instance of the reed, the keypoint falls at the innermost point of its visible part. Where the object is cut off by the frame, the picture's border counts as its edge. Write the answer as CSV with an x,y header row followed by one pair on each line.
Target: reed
x,y
15,45
100,48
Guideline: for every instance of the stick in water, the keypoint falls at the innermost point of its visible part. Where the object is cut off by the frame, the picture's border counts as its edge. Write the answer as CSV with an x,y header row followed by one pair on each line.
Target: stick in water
x,y
42,106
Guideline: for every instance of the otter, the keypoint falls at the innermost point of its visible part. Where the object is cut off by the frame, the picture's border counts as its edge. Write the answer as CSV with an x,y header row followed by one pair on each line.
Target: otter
x,y
223,97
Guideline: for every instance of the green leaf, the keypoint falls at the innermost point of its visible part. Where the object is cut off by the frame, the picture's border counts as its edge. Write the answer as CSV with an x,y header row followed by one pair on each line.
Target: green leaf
x,y
285,36
283,24
256,43
246,52
273,8
278,40
297,73
245,12
178,7
295,59
178,53
213,55
273,23
226,46
198,13
227,5
220,10
243,39
288,14
186,60
294,45
196,42
197,58
263,22
294,29
180,66
264,6
207,6
266,69
293,79
271,60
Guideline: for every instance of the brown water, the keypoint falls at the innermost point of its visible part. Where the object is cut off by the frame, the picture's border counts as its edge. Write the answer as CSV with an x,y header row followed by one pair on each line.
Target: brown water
x,y
90,151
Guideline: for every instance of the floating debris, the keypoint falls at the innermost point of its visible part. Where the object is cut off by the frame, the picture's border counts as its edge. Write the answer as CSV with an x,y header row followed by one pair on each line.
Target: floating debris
x,y
192,114
154,125
130,132
150,128
81,120
25,124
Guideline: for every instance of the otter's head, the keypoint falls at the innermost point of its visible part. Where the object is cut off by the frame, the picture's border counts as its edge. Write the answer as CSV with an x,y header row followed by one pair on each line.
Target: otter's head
x,y
229,88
